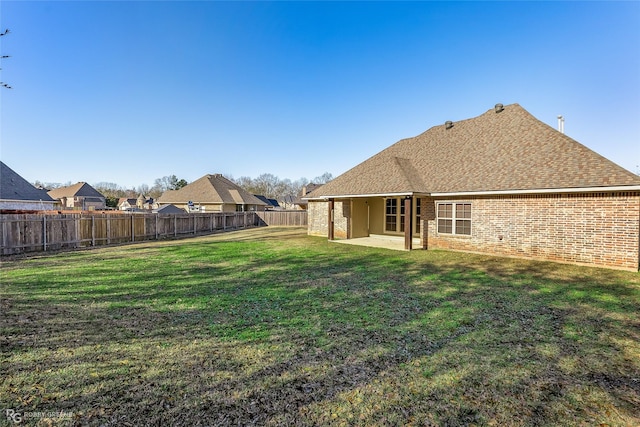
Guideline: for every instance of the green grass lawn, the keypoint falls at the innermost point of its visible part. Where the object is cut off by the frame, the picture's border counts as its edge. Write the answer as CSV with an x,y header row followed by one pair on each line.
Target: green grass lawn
x,y
272,327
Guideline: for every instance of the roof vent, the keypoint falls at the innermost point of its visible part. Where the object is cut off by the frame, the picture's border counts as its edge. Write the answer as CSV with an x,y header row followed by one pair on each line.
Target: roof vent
x,y
499,108
448,124
561,124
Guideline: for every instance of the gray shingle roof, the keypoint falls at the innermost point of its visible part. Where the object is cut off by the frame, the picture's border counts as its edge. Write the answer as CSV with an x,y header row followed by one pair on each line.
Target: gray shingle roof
x,y
14,187
210,189
169,209
496,151
268,202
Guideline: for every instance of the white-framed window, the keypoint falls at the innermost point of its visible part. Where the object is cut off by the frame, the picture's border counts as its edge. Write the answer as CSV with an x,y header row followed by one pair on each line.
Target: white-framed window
x,y
417,209
391,214
394,214
454,218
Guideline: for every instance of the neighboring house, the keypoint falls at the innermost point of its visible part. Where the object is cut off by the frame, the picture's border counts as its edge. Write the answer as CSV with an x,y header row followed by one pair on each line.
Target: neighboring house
x,y
212,193
501,183
270,204
80,196
142,203
127,204
169,209
299,202
16,193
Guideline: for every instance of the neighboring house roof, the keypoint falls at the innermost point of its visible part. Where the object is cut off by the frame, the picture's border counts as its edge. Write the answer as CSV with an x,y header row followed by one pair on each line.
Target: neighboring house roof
x,y
504,149
169,209
215,189
80,189
301,200
144,199
310,187
14,187
268,202
130,201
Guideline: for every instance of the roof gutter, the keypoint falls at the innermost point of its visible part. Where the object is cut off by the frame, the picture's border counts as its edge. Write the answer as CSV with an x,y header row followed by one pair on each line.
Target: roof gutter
x,y
354,196
540,191
484,193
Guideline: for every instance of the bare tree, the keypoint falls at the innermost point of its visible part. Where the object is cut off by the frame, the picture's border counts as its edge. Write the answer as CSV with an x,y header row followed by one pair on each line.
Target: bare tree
x,y
266,185
3,84
143,189
322,179
47,185
272,187
169,182
111,191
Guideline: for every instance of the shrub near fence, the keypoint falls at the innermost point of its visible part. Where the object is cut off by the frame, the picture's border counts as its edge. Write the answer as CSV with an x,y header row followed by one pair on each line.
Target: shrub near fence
x,y
36,232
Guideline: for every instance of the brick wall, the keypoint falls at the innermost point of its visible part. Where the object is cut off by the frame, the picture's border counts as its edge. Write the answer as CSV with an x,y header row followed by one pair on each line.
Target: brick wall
x,y
26,205
599,228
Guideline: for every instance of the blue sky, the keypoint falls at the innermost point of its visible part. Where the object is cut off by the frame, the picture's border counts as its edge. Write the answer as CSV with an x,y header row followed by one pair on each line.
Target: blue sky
x,y
128,92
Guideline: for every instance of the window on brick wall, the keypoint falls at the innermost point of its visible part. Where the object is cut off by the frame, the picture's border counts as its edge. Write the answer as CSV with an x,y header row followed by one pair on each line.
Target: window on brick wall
x,y
454,218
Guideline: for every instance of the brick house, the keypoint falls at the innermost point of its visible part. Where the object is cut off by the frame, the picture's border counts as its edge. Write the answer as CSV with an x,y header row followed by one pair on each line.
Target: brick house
x,y
80,196
502,183
212,193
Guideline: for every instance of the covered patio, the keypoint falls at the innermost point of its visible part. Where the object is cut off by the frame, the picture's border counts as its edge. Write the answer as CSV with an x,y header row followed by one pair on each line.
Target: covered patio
x,y
381,220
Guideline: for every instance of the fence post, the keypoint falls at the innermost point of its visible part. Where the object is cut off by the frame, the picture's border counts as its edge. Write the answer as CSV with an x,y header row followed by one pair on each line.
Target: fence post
x,y
108,229
77,223
157,225
175,225
44,233
133,238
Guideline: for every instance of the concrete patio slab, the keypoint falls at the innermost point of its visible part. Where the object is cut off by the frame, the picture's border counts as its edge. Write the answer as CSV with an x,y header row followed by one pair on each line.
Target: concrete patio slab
x,y
380,241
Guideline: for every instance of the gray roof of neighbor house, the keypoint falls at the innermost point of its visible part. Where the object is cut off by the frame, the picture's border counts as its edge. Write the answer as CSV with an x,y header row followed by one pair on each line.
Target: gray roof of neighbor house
x,y
80,189
214,189
504,149
268,202
15,187
169,209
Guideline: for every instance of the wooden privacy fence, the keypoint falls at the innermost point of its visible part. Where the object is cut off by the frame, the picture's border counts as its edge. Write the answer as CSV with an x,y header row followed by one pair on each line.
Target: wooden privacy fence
x,y
45,232
36,232
284,218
